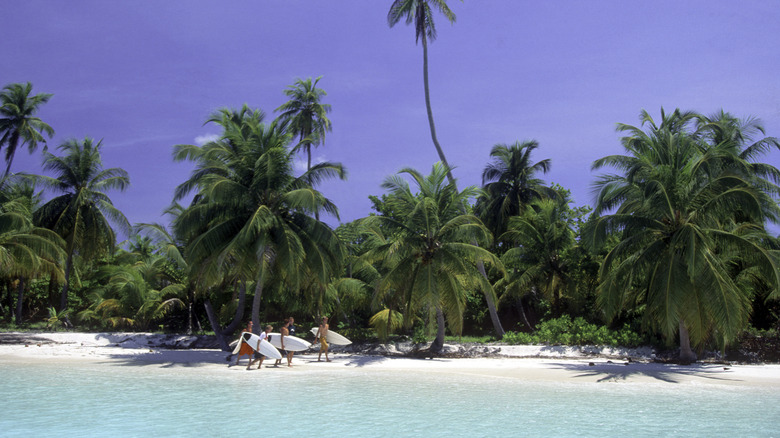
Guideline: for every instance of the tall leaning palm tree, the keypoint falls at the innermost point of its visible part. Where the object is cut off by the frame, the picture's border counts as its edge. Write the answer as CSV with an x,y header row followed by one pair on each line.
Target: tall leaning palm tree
x,y
431,256
420,13
18,124
685,209
305,115
83,214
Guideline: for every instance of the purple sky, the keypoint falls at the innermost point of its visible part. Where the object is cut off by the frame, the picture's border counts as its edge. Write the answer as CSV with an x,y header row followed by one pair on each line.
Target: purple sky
x,y
144,75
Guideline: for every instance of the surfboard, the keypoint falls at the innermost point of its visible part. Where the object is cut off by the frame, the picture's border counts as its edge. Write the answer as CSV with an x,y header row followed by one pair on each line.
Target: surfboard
x,y
266,349
291,343
333,337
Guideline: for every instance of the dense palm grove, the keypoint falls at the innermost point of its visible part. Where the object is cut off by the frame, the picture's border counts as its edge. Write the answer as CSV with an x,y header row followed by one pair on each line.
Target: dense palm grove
x,y
674,251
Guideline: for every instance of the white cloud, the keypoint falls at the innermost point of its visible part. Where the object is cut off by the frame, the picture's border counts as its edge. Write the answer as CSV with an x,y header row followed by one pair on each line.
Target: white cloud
x,y
300,163
203,139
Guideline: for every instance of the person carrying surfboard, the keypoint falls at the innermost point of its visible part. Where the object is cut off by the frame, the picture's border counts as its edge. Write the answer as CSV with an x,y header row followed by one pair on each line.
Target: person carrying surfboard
x,y
322,334
246,349
258,356
285,331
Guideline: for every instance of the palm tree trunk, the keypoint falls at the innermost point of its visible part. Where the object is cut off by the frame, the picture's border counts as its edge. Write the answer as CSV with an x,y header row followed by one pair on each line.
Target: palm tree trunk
x,y
9,300
488,298
189,312
19,300
64,293
239,315
215,325
51,293
521,308
491,304
687,355
430,111
438,342
256,300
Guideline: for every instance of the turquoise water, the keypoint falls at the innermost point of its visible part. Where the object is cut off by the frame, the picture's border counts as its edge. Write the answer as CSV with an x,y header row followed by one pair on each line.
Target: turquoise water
x,y
80,399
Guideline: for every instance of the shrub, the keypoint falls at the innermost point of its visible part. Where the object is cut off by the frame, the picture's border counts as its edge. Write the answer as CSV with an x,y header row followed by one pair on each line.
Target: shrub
x,y
565,331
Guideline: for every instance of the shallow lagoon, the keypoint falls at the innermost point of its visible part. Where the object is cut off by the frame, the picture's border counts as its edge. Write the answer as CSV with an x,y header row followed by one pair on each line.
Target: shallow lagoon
x,y
135,400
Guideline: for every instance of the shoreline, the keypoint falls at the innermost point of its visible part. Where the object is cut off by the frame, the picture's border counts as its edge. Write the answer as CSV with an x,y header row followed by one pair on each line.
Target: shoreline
x,y
561,364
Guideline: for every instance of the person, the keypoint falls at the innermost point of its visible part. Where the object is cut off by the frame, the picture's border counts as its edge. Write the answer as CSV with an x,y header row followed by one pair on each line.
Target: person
x,y
285,331
258,356
322,335
291,327
246,349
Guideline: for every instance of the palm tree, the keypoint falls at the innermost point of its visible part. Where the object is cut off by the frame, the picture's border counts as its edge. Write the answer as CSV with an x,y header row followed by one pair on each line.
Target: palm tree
x,y
510,184
305,115
541,237
26,251
18,124
420,12
83,213
684,209
251,211
431,256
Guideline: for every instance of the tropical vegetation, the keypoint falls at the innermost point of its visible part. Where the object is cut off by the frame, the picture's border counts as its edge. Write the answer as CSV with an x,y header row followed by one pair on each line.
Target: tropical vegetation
x,y
673,252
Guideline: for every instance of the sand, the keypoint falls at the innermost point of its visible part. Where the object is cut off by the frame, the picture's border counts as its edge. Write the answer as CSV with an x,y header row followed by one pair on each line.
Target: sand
x,y
143,350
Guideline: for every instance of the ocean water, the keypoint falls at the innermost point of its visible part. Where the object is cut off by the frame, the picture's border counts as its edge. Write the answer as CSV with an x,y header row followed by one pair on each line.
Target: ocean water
x,y
92,399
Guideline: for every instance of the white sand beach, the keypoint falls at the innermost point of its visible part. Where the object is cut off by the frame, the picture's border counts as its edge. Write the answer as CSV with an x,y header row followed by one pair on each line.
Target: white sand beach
x,y
554,365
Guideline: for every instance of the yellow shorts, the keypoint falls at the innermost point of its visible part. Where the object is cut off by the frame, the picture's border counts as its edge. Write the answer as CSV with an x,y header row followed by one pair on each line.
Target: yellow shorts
x,y
323,343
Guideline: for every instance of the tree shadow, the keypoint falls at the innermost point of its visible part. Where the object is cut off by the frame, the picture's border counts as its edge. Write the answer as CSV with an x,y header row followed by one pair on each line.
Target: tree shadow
x,y
623,371
171,359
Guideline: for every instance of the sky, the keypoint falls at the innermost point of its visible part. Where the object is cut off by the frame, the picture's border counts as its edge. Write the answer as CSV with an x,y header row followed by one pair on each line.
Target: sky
x,y
144,75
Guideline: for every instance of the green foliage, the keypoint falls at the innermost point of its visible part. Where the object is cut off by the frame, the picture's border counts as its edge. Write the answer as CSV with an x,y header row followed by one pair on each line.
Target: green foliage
x,y
689,204
577,331
57,319
419,336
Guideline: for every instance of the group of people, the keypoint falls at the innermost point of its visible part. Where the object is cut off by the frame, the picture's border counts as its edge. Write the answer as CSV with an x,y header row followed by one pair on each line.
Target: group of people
x,y
288,329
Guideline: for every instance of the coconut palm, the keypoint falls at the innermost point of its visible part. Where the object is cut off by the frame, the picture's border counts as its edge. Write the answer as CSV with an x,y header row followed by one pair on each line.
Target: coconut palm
x,y
83,214
420,13
26,252
510,184
431,254
305,115
684,208
18,124
541,237
250,211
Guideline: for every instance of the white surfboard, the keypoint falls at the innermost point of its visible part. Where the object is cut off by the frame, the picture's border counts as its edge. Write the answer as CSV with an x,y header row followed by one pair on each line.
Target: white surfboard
x,y
266,349
333,337
291,343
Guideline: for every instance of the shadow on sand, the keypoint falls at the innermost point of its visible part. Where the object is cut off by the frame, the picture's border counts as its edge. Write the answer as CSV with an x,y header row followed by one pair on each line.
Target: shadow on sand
x,y
179,359
620,371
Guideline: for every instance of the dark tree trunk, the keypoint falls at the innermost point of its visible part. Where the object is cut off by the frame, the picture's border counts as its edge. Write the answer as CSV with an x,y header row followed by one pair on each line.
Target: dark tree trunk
x,y
189,312
19,300
9,300
521,308
65,286
239,315
438,342
215,326
51,295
